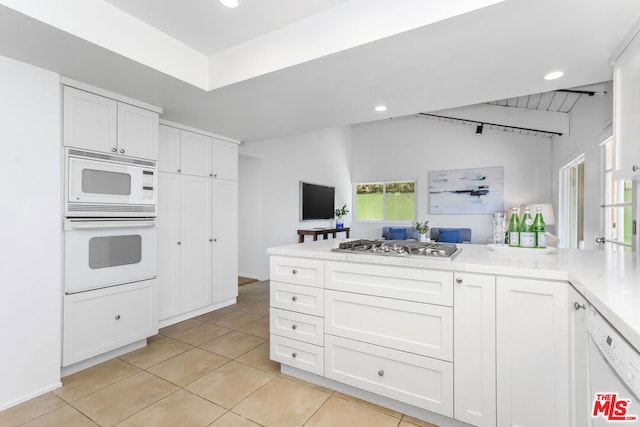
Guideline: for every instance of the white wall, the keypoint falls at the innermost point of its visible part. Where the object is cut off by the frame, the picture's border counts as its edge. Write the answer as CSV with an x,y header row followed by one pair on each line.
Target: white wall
x,y
321,157
30,253
250,249
588,120
408,148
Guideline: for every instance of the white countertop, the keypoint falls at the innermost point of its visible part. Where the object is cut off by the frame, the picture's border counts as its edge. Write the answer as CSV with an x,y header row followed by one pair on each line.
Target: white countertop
x,y
610,281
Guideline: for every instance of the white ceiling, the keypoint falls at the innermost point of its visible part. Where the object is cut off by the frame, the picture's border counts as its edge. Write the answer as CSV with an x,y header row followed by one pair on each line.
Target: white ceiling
x,y
209,27
457,58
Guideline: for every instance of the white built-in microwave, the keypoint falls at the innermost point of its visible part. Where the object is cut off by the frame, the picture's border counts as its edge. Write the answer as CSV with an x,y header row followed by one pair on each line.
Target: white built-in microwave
x,y
104,185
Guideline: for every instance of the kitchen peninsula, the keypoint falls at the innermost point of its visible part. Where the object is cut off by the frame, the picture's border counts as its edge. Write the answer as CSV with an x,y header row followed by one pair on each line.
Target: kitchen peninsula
x,y
471,339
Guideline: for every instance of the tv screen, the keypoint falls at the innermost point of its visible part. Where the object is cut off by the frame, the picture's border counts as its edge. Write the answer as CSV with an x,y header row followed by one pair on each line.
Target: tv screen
x,y
316,201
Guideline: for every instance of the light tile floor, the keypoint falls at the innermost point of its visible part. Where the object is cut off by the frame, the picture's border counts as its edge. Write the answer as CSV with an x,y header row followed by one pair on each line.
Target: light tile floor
x,y
213,370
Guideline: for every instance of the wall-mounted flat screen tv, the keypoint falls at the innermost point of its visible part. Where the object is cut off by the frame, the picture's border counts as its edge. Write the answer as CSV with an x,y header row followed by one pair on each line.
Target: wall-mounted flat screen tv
x,y
316,201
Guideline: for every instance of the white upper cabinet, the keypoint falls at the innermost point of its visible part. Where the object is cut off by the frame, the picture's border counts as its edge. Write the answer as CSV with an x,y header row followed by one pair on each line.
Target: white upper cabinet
x,y
137,132
184,152
89,120
225,160
98,123
626,109
195,154
169,149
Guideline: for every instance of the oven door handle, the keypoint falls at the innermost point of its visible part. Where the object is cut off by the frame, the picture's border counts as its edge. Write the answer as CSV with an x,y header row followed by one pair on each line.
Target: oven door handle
x,y
104,225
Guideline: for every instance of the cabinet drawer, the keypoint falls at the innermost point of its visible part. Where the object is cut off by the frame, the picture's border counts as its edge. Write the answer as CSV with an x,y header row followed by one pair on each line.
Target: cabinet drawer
x,y
410,326
412,284
416,380
301,271
102,320
297,326
297,354
303,299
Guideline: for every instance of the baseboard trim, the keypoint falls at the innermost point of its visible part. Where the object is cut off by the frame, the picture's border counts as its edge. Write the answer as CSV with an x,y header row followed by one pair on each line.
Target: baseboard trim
x,y
30,396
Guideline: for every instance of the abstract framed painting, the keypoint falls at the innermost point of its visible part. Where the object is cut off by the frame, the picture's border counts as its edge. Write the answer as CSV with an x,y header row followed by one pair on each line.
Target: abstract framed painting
x,y
467,191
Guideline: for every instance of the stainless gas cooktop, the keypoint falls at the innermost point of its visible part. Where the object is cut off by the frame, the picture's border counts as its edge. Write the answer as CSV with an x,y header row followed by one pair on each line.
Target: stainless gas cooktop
x,y
399,248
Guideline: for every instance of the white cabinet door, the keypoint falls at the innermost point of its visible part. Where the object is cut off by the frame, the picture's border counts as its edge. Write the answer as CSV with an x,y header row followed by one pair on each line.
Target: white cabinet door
x,y
195,154
89,121
424,329
474,349
532,322
578,348
300,271
168,249
417,380
225,247
169,149
626,106
105,319
225,160
137,132
195,242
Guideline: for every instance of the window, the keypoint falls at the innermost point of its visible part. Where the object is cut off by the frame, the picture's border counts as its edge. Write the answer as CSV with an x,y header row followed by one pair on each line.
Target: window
x,y
391,201
616,203
571,224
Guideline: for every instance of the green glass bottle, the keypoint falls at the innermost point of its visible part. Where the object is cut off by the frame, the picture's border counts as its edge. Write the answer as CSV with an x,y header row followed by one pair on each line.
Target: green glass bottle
x,y
514,229
540,229
527,235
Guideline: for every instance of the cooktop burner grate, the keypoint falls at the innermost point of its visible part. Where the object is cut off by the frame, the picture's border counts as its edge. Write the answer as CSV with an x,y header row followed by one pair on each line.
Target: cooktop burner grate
x,y
399,248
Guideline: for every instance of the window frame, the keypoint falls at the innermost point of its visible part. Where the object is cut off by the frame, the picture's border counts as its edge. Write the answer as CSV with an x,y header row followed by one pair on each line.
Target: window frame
x,y
384,201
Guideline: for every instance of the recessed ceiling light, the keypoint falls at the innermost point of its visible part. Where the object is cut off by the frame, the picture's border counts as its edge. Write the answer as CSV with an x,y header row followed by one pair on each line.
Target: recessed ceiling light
x,y
230,3
380,108
554,75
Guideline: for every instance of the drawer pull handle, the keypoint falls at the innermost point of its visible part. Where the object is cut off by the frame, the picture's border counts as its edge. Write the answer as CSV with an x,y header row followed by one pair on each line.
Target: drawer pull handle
x,y
117,317
381,373
459,280
294,298
578,306
294,327
294,355
294,271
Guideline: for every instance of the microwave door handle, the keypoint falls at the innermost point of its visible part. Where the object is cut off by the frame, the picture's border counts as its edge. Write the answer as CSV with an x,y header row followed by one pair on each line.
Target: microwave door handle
x,y
95,225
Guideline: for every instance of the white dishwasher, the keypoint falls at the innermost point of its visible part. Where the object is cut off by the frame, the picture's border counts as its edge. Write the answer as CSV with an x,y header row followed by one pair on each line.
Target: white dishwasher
x,y
614,375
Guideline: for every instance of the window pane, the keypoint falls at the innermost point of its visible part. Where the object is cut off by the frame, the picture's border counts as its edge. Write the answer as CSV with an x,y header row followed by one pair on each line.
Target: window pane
x,y
369,202
401,201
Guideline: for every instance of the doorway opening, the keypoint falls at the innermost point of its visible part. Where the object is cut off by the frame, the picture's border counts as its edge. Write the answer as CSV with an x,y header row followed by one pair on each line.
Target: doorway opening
x,y
571,211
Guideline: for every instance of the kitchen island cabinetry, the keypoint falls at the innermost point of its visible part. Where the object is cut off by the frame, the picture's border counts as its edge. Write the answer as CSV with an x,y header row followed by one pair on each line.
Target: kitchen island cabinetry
x,y
296,314
379,339
106,319
532,341
475,348
99,123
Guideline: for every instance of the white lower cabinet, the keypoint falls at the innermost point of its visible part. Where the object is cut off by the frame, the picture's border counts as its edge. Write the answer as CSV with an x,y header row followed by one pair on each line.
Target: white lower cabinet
x,y
532,352
474,358
417,380
423,329
482,349
105,319
578,353
298,354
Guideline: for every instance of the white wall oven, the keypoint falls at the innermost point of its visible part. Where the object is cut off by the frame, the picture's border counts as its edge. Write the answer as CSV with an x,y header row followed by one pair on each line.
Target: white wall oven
x,y
103,252
104,185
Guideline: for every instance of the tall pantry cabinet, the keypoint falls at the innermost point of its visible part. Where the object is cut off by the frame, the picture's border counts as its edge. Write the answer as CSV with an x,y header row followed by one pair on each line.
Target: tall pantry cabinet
x,y
197,224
